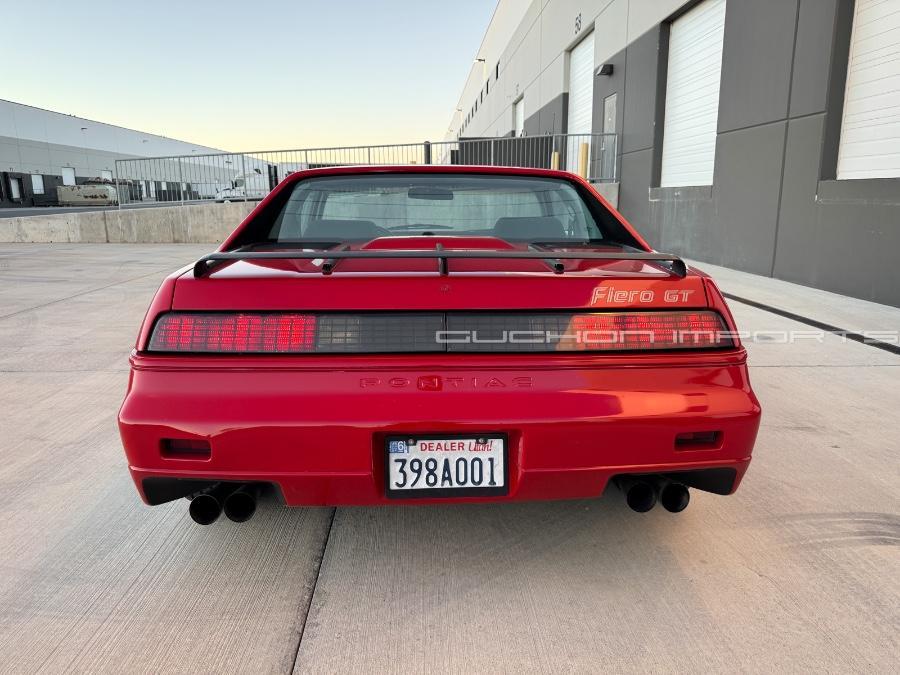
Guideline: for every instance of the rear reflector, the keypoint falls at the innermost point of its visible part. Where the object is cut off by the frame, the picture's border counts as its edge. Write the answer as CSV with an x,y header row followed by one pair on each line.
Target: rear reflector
x,y
698,440
182,448
423,332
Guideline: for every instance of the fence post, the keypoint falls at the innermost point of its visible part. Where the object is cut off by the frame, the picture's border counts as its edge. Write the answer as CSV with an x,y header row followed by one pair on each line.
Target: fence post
x,y
118,192
180,182
244,172
583,160
426,148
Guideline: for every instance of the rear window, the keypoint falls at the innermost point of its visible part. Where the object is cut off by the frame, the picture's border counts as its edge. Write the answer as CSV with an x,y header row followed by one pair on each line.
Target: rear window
x,y
366,206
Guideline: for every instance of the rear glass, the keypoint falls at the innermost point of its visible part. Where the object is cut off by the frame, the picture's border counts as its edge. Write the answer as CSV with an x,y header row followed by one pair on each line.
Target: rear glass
x,y
363,207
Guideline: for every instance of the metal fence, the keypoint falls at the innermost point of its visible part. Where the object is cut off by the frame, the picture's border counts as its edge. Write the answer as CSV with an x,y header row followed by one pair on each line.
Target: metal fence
x,y
251,175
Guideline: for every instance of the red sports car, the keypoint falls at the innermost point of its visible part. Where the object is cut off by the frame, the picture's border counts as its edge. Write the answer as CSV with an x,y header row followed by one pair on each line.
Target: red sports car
x,y
410,334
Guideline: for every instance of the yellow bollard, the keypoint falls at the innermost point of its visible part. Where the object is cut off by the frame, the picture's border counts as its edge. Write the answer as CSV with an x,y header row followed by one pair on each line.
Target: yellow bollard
x,y
583,160
554,161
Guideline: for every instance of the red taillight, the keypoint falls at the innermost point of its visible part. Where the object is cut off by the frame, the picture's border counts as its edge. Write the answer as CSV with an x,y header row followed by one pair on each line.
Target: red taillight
x,y
421,332
628,331
235,333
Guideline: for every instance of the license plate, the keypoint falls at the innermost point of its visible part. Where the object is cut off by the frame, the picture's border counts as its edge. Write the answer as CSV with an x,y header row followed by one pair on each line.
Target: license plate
x,y
446,465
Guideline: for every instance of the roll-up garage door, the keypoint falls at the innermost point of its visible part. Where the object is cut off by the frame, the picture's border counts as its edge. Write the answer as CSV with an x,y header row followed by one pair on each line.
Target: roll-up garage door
x,y
870,131
581,98
519,116
692,95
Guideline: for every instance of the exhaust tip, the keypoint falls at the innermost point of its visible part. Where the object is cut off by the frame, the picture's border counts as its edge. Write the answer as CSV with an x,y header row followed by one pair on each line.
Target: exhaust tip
x,y
205,509
240,505
640,496
674,497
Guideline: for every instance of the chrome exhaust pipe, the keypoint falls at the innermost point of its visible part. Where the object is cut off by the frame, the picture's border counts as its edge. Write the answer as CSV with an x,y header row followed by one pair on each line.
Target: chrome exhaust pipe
x,y
674,497
206,506
640,494
240,505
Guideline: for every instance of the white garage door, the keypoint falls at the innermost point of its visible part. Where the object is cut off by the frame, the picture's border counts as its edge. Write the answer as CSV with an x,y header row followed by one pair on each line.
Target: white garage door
x,y
692,95
581,97
870,131
519,116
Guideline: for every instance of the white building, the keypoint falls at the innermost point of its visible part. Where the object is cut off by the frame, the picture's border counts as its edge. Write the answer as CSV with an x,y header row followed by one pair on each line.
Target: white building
x,y
41,149
758,134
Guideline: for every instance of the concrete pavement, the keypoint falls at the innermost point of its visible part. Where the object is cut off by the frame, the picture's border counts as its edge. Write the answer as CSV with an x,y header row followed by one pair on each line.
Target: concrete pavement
x,y
799,570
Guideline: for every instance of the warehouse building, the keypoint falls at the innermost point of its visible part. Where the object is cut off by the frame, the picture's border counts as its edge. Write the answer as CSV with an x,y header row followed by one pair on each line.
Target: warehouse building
x,y
760,135
41,150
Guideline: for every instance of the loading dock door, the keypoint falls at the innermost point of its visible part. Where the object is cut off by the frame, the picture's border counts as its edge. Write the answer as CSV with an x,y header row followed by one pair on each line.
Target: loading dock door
x,y
870,130
519,116
692,95
581,98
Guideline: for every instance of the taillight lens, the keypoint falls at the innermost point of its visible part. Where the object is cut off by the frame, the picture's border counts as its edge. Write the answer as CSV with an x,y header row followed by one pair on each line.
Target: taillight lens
x,y
423,332
588,331
288,333
234,333
630,331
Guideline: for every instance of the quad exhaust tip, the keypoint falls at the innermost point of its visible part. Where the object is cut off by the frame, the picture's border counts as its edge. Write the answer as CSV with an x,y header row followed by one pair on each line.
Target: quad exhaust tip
x,y
641,494
206,506
238,502
240,505
674,497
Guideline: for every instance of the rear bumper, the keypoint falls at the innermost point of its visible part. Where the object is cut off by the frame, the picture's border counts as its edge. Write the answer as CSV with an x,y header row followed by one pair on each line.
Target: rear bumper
x,y
319,433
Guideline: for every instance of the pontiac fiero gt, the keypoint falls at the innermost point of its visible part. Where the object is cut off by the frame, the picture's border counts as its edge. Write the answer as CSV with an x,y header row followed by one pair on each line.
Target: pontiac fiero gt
x,y
409,334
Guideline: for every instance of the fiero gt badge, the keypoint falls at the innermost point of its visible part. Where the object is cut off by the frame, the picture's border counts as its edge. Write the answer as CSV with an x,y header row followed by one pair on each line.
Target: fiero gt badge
x,y
616,296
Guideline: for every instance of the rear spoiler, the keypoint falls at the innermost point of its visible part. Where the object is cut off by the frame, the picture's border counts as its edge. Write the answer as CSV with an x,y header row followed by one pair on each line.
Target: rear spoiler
x,y
331,257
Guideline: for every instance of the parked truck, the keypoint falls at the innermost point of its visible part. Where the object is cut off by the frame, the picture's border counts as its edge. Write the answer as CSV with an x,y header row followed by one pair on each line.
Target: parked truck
x,y
245,186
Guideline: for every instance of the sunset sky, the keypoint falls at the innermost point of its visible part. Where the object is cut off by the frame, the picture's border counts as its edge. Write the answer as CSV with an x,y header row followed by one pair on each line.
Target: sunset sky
x,y
250,75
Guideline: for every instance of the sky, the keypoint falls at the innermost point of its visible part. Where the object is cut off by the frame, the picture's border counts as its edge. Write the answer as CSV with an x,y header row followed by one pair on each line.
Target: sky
x,y
250,75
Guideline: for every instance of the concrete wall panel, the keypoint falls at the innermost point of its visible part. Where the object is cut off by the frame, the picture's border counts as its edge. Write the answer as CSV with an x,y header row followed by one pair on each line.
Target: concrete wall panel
x,y
633,187
746,188
797,230
756,62
815,33
639,106
195,223
553,116
532,123
646,14
670,208
558,24
610,31
856,250
9,156
551,82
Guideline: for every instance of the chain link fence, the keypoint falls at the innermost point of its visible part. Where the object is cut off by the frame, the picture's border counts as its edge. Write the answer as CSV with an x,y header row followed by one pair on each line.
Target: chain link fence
x,y
251,175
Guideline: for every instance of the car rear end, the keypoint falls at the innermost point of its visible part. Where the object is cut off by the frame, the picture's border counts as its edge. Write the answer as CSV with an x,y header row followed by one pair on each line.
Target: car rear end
x,y
488,362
